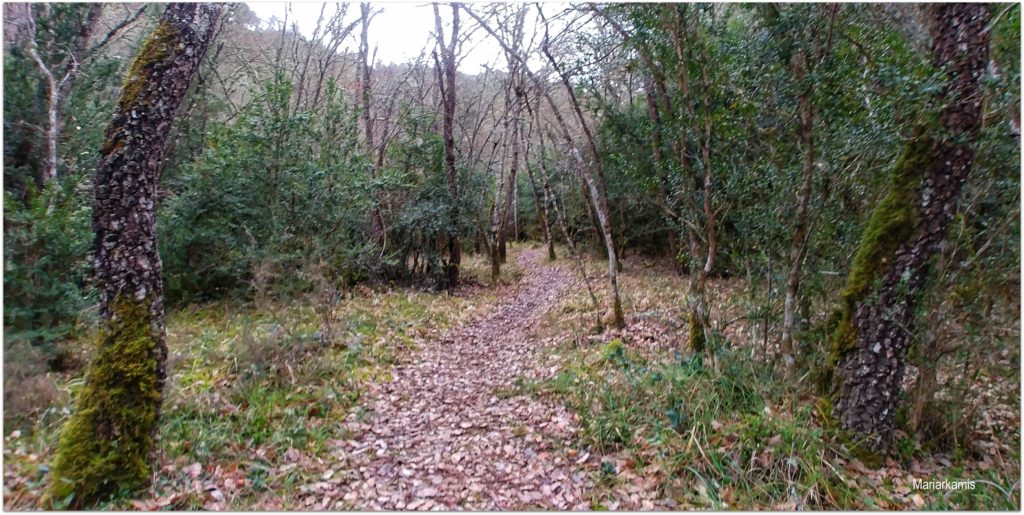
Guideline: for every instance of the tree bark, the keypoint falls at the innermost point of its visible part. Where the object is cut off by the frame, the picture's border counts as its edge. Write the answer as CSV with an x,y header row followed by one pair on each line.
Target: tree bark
x,y
906,230
598,188
448,135
105,445
799,247
376,217
58,89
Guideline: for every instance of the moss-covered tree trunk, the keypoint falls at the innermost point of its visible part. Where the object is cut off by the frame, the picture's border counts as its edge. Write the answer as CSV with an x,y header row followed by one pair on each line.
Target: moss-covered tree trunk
x,y
105,446
702,256
905,231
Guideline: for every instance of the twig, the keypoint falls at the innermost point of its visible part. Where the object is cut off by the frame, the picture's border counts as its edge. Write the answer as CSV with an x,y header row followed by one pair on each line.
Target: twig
x,y
113,31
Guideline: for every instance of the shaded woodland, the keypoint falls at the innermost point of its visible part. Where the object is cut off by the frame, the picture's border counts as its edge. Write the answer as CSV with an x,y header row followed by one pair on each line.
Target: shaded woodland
x,y
653,256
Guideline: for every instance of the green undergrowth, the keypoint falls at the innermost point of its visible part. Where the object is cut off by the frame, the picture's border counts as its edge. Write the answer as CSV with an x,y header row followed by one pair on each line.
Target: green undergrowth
x,y
729,433
715,435
252,389
476,268
723,429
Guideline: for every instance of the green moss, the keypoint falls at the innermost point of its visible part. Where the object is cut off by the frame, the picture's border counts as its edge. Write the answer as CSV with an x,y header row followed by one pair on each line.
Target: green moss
x,y
696,340
871,458
160,44
852,441
104,447
613,349
892,223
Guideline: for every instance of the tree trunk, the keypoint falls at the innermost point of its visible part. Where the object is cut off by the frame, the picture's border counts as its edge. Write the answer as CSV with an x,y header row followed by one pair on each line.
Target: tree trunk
x,y
543,214
799,248
601,205
927,381
510,190
493,243
448,135
699,311
905,231
105,446
515,212
543,210
58,90
496,242
376,217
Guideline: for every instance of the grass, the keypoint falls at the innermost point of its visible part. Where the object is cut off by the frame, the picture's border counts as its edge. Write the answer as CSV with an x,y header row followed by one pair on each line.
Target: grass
x,y
708,434
255,394
724,430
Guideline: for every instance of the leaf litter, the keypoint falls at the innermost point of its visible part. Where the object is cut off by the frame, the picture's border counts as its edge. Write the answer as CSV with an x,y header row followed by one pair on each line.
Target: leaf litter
x,y
441,435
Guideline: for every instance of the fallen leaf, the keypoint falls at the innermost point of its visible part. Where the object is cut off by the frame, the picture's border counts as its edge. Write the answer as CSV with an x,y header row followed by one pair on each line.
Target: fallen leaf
x,y
193,470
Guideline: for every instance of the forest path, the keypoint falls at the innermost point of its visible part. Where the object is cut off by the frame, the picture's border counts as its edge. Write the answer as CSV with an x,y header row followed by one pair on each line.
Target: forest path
x,y
440,435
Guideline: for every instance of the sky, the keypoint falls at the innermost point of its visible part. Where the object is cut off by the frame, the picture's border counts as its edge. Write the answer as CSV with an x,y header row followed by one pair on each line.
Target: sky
x,y
399,33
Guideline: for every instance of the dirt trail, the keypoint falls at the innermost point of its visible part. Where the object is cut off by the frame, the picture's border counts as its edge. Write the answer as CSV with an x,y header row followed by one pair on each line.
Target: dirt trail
x,y
440,435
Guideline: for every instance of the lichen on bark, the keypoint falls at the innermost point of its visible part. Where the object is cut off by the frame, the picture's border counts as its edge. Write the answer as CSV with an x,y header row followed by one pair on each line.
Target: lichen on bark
x,y
159,46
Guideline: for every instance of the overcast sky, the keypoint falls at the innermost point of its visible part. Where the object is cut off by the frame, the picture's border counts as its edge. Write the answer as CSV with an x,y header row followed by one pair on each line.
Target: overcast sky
x,y
399,33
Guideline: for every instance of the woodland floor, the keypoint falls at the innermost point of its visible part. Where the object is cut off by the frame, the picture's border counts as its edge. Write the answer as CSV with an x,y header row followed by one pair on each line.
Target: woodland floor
x,y
443,433
503,398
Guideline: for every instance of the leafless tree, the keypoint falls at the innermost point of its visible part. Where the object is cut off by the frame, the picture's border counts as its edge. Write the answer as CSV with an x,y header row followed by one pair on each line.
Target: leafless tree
x,y
595,193
447,83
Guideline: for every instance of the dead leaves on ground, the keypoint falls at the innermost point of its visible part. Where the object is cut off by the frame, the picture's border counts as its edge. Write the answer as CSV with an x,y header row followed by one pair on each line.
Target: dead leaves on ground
x,y
438,436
